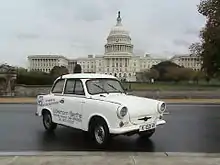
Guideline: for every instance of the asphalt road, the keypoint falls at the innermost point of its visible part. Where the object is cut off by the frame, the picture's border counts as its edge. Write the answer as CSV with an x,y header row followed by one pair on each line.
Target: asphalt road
x,y
189,128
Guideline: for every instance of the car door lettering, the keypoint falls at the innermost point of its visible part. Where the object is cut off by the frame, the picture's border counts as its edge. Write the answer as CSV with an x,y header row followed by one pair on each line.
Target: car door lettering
x,y
69,117
75,116
42,102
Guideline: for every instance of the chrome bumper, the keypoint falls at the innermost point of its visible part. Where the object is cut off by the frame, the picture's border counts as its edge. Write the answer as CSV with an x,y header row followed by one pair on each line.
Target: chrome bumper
x,y
131,128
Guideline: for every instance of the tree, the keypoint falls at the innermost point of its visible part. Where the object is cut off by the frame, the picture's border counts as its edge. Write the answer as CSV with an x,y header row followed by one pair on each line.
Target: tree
x,y
163,68
21,70
198,75
209,48
34,78
153,74
77,69
195,48
186,74
178,74
172,75
140,76
58,71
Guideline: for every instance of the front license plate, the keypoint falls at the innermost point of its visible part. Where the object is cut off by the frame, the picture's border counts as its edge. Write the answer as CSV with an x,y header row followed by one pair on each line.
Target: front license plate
x,y
147,127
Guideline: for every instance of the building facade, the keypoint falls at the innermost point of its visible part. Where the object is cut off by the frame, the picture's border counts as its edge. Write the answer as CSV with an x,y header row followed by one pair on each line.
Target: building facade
x,y
118,59
45,63
188,61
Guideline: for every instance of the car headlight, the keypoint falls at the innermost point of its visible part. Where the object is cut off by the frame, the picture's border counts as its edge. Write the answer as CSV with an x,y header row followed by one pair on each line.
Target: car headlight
x,y
161,107
122,112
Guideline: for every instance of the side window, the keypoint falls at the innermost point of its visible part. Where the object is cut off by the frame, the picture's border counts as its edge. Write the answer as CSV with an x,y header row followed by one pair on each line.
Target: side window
x,y
58,87
69,89
79,88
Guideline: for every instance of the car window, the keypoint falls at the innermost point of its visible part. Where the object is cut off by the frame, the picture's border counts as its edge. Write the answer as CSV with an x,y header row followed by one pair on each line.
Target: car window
x,y
79,88
97,86
69,89
58,87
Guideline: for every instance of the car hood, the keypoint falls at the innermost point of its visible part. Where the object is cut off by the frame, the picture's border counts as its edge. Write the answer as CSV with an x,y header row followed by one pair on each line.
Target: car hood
x,y
137,106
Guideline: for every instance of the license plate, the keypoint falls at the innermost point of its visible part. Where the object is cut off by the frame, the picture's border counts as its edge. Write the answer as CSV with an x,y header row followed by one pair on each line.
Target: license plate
x,y
147,127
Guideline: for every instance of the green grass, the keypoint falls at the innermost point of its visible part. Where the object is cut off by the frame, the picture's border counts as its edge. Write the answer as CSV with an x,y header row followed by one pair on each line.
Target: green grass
x,y
173,86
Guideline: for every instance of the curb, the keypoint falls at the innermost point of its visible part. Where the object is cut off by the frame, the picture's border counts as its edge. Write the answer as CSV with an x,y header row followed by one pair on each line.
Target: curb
x,y
115,154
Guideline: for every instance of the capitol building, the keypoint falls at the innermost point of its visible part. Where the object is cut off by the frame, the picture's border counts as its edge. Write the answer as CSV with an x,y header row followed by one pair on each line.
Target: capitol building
x,y
118,58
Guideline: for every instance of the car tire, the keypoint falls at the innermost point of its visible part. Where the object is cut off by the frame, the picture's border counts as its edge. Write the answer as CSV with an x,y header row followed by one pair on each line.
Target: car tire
x,y
100,133
147,134
49,125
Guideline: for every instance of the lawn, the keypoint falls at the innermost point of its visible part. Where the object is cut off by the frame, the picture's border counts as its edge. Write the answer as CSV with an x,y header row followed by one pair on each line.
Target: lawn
x,y
172,86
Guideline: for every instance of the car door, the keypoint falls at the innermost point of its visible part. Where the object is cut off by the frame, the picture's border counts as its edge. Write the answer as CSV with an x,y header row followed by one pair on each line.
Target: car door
x,y
56,105
74,97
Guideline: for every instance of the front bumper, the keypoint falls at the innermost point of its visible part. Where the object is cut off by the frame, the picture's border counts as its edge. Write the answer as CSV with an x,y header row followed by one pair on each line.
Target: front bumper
x,y
132,128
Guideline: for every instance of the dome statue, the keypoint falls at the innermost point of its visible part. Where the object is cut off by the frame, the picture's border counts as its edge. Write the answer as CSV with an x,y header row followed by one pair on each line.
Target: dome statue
x,y
119,29
119,40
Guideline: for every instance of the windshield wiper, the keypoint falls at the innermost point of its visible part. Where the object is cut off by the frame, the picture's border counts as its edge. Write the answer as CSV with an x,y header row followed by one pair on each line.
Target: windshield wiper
x,y
101,88
114,88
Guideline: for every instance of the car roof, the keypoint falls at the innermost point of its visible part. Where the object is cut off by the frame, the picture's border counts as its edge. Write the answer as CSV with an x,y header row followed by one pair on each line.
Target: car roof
x,y
88,76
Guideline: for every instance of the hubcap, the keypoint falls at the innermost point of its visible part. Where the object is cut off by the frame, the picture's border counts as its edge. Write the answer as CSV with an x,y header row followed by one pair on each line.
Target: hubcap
x,y
47,121
99,134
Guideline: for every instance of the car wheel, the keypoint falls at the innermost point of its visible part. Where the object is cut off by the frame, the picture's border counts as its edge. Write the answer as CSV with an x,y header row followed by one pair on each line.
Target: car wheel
x,y
147,134
49,125
100,133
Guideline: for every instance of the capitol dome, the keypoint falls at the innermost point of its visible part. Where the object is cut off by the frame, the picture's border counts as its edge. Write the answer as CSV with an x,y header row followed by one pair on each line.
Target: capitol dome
x,y
119,40
118,29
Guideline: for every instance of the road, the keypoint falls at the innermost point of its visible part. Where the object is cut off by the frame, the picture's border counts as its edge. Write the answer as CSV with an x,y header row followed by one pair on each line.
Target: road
x,y
189,128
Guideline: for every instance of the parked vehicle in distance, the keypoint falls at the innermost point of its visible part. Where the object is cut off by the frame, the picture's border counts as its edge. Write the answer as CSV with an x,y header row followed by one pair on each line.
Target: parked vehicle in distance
x,y
98,105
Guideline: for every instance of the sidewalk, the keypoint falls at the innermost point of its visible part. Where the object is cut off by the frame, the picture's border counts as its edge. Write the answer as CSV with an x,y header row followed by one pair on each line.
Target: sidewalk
x,y
111,159
29,100
18,100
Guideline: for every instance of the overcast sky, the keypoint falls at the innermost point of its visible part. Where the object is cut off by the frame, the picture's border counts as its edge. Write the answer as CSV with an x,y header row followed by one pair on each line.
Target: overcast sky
x,y
76,28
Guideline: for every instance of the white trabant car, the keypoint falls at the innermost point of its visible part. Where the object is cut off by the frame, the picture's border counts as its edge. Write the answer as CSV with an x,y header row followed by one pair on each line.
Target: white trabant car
x,y
98,105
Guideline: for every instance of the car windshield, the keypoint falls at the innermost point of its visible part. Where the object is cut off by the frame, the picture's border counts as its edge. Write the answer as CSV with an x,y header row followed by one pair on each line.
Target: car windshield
x,y
97,86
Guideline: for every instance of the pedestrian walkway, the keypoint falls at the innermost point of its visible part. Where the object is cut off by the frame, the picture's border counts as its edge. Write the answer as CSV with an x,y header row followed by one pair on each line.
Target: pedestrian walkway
x,y
18,100
112,159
